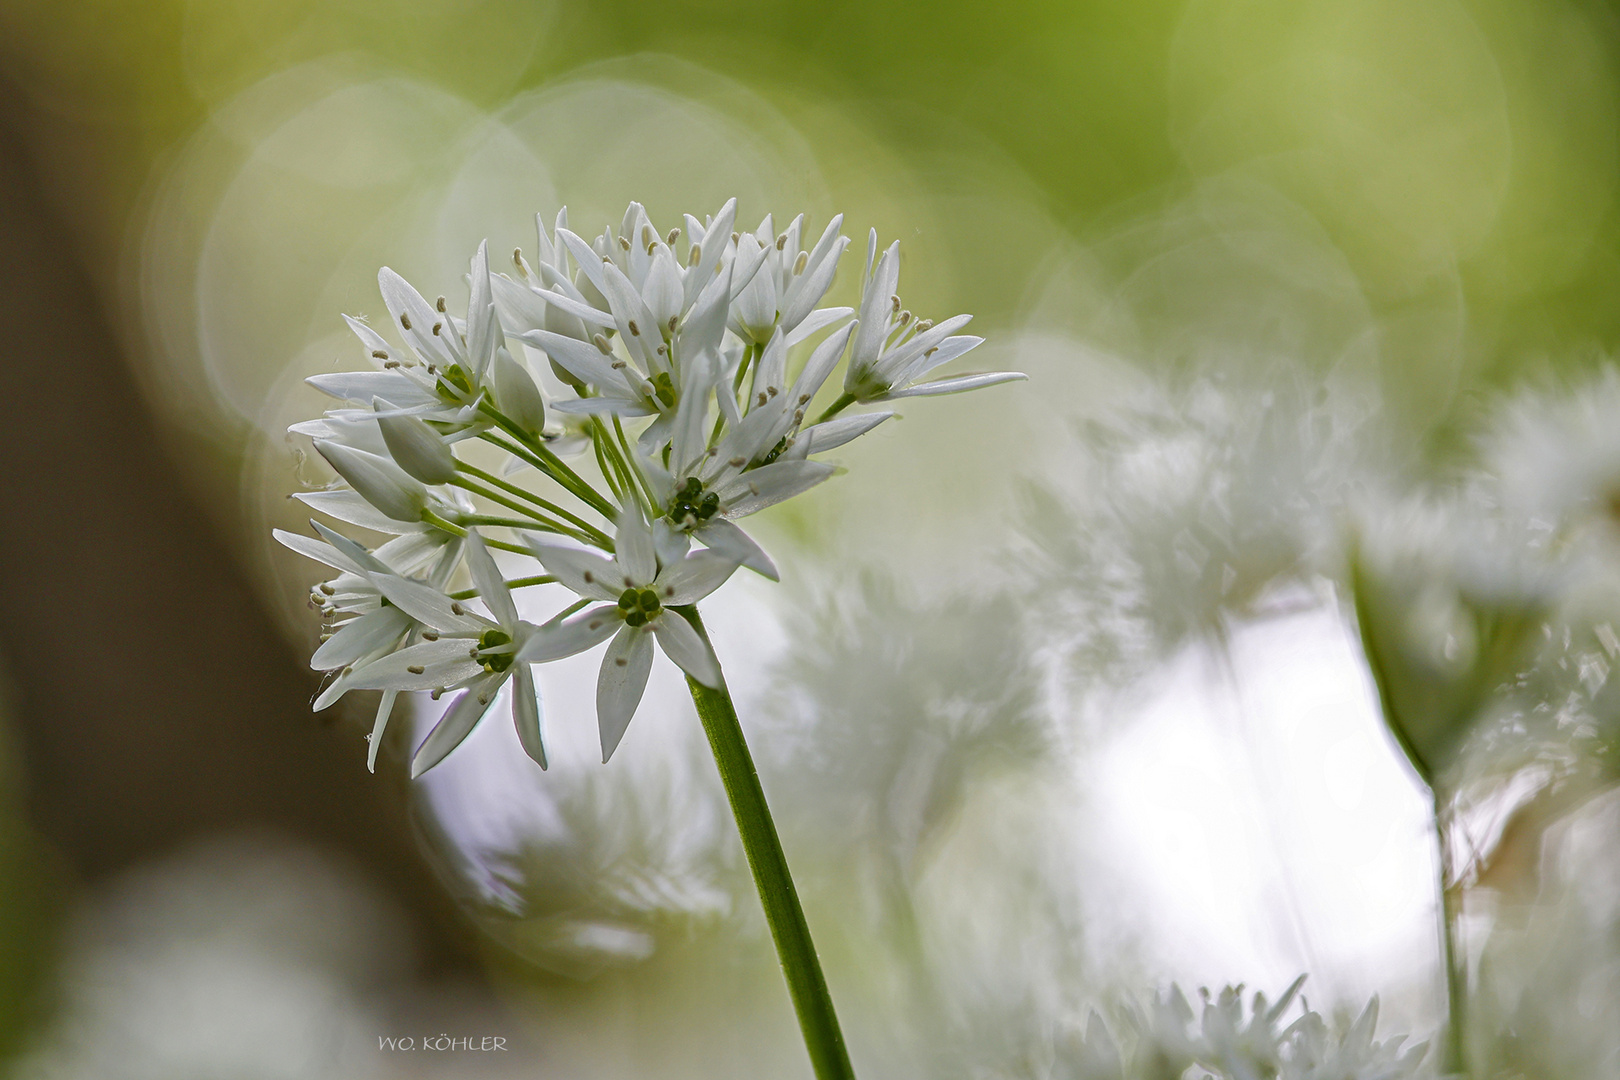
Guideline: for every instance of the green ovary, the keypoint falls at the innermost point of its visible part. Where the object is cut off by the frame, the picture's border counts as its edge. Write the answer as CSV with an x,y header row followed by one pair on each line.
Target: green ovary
x,y
638,606
491,639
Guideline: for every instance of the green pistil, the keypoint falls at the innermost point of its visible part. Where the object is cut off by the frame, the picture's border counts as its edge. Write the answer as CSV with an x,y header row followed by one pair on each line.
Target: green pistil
x,y
775,452
693,505
490,639
638,606
457,378
664,389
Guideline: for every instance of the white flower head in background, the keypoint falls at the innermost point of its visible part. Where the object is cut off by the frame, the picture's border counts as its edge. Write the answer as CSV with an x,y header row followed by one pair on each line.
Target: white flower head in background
x,y
691,363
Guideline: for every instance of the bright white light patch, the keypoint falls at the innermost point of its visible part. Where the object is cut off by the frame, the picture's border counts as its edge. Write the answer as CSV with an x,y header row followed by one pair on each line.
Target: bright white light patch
x,y
1260,822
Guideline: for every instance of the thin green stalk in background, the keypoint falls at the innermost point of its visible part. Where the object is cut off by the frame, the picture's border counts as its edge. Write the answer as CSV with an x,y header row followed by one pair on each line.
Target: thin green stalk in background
x,y
800,966
1454,1062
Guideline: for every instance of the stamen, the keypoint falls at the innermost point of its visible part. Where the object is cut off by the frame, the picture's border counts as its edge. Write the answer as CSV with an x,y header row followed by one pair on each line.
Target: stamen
x,y
895,300
326,587
737,462
589,577
905,317
773,391
634,329
800,263
391,364
781,242
517,257
762,398
601,343
674,320
379,354
648,237
415,669
405,320
437,327
457,609
674,234
430,635
624,242
694,255
436,694
439,303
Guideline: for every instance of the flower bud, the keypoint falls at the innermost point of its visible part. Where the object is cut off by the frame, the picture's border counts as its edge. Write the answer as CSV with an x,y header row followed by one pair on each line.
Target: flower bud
x,y
516,394
416,448
377,480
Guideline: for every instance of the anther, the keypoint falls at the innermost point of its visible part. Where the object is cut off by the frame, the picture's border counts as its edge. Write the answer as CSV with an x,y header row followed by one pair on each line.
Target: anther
x,y
662,349
378,354
652,248
674,234
619,365
804,399
905,317
895,301
737,462
781,242
925,325
589,577
694,255
457,609
430,635
634,329
327,588
773,391
762,398
798,416
472,653
416,669
624,242
437,327
517,257
433,369
601,343
801,262
405,321
753,489
620,661
439,304
391,364
674,320
483,699
735,237
931,352
437,693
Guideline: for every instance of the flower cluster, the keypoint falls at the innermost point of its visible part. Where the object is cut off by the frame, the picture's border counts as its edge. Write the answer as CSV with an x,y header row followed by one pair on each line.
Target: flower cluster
x,y
684,367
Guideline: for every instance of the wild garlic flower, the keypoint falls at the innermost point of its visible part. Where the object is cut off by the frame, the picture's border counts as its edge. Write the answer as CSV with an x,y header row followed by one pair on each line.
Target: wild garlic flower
x,y
690,364
648,575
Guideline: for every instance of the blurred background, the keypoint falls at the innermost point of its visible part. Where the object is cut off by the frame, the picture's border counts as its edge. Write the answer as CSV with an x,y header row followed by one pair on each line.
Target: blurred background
x,y
1060,698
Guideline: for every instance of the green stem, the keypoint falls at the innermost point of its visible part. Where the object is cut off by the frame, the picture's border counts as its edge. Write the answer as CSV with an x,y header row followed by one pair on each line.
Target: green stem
x,y
635,471
514,583
1456,956
600,537
540,456
456,530
844,401
800,966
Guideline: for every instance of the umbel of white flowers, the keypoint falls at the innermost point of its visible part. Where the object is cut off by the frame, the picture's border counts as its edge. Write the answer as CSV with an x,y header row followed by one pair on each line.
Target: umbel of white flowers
x,y
691,362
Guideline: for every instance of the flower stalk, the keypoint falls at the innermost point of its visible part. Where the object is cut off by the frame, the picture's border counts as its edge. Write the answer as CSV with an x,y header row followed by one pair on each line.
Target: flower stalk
x,y
800,966
1454,1060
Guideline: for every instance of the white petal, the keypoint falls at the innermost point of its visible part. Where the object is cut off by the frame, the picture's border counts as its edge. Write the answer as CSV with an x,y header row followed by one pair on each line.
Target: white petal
x,y
604,405
526,714
346,505
456,724
406,304
311,548
361,386
350,549
683,645
633,545
929,359
483,329
360,637
444,663
554,641
810,288
584,572
488,581
694,577
843,429
730,541
754,491
956,385
621,684
428,605
385,709
582,359
378,480
820,364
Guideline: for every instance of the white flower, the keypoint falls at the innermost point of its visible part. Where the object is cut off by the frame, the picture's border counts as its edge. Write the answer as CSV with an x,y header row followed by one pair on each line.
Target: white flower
x,y
459,650
894,349
373,628
638,585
